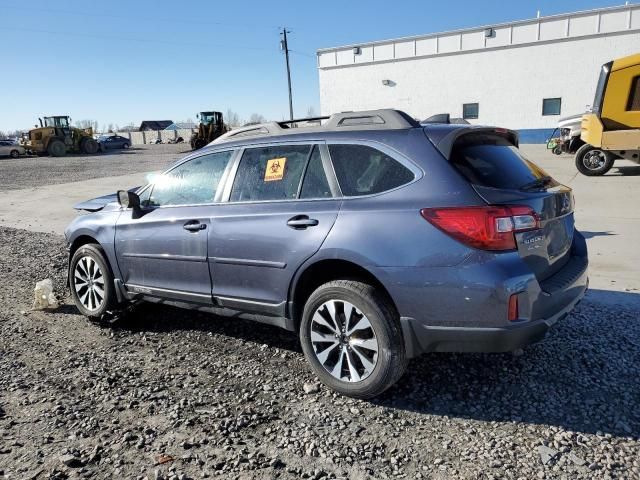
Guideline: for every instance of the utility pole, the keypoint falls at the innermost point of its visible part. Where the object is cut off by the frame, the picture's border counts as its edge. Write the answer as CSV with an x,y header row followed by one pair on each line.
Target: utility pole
x,y
285,46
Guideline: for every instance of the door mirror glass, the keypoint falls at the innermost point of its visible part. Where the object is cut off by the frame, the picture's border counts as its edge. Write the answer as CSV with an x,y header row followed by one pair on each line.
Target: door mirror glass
x,y
128,199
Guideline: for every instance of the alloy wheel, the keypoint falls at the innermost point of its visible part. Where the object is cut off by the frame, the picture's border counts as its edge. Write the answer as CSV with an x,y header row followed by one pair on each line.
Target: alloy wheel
x,y
344,341
594,160
88,282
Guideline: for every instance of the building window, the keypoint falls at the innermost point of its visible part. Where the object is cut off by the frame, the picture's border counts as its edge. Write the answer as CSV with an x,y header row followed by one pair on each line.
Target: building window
x,y
470,110
551,106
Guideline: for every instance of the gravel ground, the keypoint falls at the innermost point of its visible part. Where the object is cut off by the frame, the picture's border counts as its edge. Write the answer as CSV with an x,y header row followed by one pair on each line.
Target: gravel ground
x,y
28,172
174,394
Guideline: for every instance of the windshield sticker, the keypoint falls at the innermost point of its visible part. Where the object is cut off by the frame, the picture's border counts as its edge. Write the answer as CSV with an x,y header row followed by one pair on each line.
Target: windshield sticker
x,y
275,169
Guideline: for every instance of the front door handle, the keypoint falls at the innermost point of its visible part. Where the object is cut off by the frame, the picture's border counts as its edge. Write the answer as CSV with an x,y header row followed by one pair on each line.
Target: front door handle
x,y
194,226
300,222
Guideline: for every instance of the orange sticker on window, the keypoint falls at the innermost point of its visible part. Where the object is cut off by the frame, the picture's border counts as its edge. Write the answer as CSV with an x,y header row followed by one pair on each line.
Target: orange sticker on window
x,y
275,169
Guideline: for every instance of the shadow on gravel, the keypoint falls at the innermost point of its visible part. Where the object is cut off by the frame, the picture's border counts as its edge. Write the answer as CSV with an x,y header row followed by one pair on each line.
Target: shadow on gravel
x,y
583,376
120,151
151,317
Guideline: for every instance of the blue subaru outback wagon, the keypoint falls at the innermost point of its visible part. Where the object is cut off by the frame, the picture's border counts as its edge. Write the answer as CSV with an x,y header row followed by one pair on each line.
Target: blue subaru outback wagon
x,y
373,237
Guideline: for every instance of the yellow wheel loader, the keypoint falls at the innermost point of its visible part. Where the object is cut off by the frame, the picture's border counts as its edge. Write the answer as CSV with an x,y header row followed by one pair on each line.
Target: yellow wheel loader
x,y
211,127
612,129
56,137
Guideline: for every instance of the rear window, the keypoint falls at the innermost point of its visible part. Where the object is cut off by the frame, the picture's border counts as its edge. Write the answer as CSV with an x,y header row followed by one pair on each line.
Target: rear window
x,y
363,170
492,161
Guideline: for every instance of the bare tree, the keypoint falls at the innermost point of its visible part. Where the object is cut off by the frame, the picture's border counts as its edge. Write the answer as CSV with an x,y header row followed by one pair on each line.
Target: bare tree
x,y
256,118
232,119
87,124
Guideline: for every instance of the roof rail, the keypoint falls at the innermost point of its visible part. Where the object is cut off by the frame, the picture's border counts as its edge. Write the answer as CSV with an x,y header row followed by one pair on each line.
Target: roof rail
x,y
383,119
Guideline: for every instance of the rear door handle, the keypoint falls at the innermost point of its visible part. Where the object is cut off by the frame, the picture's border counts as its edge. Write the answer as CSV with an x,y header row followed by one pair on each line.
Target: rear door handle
x,y
194,226
300,222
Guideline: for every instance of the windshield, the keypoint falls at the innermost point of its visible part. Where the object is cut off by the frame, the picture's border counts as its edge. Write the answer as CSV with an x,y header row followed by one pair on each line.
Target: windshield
x,y
60,122
207,117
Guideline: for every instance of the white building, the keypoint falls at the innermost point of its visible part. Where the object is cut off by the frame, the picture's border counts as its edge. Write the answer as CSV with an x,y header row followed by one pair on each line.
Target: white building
x,y
523,75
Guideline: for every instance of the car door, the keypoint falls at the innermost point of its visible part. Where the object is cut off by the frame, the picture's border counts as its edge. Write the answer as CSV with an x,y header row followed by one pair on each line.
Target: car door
x,y
281,208
162,249
5,148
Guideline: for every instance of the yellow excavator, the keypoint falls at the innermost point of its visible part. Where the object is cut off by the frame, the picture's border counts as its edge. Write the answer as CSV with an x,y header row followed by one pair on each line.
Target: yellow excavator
x,y
612,129
211,127
56,137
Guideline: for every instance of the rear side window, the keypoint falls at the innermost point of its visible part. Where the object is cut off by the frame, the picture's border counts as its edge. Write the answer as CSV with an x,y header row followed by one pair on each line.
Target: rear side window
x,y
270,173
315,184
492,161
363,170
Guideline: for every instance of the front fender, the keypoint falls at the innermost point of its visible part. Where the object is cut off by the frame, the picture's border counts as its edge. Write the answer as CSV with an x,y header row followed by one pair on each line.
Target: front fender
x,y
101,228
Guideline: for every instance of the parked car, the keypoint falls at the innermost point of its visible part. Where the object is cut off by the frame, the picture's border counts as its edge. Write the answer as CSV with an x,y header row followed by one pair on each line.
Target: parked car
x,y
9,147
373,237
569,140
112,142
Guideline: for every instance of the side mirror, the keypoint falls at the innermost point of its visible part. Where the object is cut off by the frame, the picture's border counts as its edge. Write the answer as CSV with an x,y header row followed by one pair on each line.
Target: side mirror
x,y
128,199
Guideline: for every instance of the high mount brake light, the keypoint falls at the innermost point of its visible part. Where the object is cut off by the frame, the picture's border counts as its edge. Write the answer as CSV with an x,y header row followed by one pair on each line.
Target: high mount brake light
x,y
485,228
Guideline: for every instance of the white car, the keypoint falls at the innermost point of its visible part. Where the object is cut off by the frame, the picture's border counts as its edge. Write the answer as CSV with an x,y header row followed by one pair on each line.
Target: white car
x,y
8,147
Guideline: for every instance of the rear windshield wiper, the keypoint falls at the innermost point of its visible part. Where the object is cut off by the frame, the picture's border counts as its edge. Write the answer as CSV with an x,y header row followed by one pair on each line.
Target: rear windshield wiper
x,y
537,184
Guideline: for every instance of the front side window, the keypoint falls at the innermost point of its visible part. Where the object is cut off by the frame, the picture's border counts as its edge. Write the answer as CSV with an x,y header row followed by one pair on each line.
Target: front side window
x,y
634,95
270,173
363,170
192,183
551,106
470,111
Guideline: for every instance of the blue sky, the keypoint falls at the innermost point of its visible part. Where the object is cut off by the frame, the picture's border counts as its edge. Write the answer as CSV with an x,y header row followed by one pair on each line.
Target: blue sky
x,y
126,61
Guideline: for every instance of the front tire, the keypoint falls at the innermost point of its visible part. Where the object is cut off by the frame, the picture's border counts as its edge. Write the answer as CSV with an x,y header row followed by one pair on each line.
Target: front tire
x,y
350,334
125,145
56,148
89,146
592,161
91,282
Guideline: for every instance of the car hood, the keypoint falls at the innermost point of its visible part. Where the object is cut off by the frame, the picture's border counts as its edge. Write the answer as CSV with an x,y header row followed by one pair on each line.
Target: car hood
x,y
98,203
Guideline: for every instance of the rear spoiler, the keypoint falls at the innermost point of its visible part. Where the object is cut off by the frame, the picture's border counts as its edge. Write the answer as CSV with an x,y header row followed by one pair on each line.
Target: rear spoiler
x,y
445,140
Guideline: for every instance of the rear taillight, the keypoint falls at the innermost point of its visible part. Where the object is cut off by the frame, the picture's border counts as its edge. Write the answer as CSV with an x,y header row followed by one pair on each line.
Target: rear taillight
x,y
486,228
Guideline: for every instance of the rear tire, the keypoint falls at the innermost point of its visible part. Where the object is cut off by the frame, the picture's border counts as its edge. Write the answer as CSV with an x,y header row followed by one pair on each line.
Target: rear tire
x,y
56,148
592,161
91,282
125,145
360,356
14,153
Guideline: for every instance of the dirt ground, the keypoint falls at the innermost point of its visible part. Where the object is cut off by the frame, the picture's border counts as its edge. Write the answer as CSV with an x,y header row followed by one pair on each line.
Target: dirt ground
x,y
169,394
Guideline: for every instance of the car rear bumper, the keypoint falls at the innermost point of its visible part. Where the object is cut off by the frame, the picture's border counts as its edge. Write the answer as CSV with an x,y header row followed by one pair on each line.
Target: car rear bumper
x,y
471,315
421,338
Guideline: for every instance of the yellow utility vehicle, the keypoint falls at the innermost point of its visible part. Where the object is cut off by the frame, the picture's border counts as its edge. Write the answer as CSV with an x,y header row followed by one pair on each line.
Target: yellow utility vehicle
x,y
56,137
612,129
211,127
